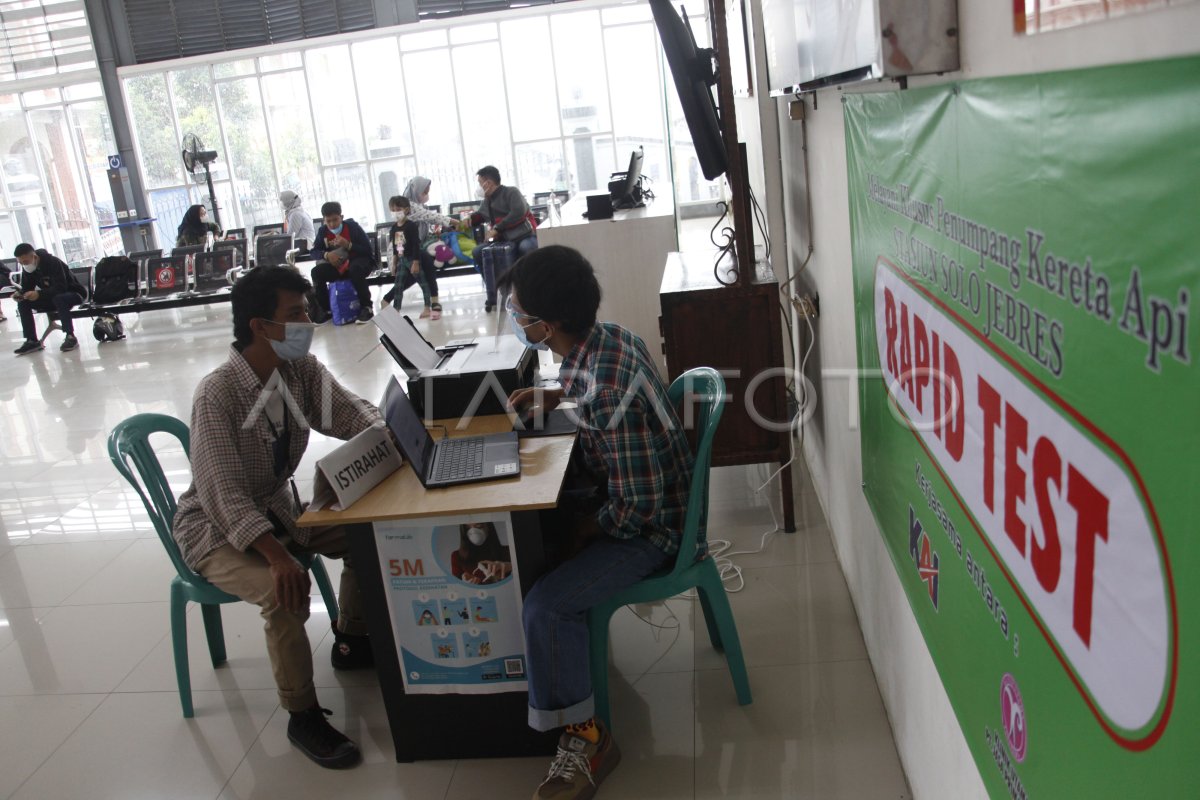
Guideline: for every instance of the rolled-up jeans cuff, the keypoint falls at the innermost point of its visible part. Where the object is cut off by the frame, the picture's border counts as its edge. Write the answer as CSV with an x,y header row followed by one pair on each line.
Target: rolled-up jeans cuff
x,y
546,720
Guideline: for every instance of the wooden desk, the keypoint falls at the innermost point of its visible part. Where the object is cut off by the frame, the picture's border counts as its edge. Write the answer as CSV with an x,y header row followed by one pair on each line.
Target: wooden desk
x,y
430,726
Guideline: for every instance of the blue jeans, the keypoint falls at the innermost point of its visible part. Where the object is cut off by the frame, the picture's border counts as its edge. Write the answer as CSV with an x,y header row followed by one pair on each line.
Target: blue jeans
x,y
556,631
526,245
59,306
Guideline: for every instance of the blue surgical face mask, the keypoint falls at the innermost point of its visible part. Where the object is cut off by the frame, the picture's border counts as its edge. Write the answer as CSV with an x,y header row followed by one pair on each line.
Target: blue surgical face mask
x,y
297,338
336,231
519,330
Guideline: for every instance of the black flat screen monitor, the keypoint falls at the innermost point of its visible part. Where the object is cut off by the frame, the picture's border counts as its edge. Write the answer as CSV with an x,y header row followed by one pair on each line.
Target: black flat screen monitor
x,y
629,196
693,74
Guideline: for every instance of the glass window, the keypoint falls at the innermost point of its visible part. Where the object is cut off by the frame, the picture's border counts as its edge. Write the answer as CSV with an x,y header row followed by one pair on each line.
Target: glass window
x,y
18,162
42,97
425,40
335,108
196,110
27,224
68,200
381,93
540,167
389,180
167,206
280,61
83,91
485,129
231,69
529,76
436,129
256,196
349,186
637,104
579,62
468,34
94,138
626,13
590,160
289,121
155,130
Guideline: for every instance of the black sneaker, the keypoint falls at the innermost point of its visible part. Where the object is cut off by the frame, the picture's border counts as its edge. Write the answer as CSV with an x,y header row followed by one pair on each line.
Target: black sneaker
x,y
30,346
364,315
320,741
351,652
69,343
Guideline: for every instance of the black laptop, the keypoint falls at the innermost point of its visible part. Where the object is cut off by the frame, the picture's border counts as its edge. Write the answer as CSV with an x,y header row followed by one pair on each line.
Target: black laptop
x,y
448,462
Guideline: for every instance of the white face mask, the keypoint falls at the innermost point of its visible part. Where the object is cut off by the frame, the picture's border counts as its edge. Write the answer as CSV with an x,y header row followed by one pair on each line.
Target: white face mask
x,y
31,267
400,216
297,338
476,536
480,193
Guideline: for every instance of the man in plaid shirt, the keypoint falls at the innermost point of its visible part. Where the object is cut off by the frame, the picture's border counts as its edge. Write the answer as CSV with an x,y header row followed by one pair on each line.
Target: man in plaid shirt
x,y
236,523
629,435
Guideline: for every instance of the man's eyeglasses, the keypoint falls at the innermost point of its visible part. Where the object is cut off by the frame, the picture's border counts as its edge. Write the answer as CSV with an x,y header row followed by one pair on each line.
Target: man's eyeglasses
x,y
512,311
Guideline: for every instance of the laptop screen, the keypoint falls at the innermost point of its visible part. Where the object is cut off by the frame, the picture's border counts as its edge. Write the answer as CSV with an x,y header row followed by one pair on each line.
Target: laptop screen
x,y
415,442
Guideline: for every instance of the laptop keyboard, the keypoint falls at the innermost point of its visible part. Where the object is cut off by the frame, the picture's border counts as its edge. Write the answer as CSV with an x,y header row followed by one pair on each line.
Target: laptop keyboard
x,y
459,459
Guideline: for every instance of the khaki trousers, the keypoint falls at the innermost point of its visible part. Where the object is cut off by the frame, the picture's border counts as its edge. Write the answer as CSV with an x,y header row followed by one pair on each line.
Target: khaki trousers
x,y
246,575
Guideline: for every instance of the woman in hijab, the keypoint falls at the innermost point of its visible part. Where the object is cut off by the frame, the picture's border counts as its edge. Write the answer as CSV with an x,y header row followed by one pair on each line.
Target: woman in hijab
x,y
195,227
417,192
296,220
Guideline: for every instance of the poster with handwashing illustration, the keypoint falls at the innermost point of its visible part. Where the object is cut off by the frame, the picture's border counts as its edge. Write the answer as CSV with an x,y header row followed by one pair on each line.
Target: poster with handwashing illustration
x,y
455,604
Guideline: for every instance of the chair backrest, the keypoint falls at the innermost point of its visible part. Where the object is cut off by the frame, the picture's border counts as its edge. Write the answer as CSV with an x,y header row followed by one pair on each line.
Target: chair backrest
x,y
266,230
129,449
381,243
705,387
457,209
166,276
271,251
211,269
238,246
235,233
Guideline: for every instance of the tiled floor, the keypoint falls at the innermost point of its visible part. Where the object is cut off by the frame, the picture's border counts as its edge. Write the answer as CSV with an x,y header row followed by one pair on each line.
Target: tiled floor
x,y
88,707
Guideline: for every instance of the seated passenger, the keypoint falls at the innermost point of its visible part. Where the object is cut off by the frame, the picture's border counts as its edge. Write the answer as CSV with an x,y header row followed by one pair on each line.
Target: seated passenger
x,y
195,227
504,207
629,434
236,523
296,220
343,251
45,284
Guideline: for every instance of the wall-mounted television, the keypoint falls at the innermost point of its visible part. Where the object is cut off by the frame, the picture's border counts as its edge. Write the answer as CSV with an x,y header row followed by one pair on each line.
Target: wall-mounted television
x,y
692,71
815,43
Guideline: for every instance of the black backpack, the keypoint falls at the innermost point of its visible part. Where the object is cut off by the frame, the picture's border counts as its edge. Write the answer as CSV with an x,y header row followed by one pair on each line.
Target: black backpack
x,y
115,278
107,328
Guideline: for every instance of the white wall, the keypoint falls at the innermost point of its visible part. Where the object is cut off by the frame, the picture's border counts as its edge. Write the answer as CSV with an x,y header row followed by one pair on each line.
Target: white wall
x,y
931,746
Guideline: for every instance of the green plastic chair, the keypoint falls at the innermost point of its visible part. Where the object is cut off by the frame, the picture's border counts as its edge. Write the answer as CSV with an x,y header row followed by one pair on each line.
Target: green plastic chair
x,y
705,385
129,443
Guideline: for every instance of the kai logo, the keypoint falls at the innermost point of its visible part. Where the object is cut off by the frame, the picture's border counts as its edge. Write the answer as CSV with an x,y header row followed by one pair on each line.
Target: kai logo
x,y
923,555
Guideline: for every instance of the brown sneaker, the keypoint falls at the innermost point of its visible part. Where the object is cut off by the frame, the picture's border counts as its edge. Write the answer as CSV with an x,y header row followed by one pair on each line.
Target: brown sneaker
x,y
579,766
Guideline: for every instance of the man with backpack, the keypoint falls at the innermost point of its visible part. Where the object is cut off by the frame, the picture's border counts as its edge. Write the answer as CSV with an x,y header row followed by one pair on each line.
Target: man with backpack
x,y
46,284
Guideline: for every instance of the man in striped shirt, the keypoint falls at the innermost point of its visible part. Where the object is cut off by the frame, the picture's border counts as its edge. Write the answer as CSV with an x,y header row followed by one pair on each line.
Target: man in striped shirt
x,y
629,436
236,523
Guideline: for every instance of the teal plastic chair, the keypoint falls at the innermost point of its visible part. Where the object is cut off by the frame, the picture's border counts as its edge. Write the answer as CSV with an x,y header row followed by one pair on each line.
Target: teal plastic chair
x,y
129,443
705,386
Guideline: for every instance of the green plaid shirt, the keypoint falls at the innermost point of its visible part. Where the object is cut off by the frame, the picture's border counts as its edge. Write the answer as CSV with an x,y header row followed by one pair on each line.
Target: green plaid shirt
x,y
630,432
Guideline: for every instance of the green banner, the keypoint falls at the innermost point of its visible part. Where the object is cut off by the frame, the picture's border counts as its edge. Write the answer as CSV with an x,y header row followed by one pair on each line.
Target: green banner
x,y
1024,269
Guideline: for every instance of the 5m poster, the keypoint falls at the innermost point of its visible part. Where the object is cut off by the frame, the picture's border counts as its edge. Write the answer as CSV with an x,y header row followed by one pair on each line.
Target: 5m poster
x,y
1025,287
455,603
